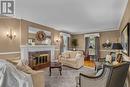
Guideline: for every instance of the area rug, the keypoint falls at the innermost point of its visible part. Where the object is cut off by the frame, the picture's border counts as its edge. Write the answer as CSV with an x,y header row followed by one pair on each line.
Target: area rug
x,y
68,76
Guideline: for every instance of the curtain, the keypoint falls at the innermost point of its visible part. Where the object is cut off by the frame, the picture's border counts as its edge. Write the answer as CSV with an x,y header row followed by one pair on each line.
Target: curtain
x,y
97,48
61,44
86,43
86,53
68,43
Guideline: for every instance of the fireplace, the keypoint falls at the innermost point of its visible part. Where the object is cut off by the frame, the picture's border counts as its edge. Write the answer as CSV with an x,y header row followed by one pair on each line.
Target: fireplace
x,y
38,56
39,60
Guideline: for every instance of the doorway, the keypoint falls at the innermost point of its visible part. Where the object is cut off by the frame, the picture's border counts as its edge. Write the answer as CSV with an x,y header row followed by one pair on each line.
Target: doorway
x,y
92,47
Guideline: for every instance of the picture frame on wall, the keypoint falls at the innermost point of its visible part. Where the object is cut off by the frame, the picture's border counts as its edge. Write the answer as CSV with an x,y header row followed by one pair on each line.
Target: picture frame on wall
x,y
125,39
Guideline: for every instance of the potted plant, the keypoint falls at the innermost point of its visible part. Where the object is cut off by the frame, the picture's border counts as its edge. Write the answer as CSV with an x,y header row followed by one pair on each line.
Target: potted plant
x,y
74,43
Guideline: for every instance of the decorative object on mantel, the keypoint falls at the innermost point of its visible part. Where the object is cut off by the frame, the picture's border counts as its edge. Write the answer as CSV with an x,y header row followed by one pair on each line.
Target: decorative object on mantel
x,y
40,36
46,35
31,41
48,41
11,35
107,44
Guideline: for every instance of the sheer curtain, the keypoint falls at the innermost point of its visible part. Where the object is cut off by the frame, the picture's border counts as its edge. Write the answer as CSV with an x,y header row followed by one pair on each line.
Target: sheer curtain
x,y
61,44
64,46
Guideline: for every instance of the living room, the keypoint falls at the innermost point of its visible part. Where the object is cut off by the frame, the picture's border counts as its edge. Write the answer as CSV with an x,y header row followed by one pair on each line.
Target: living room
x,y
64,45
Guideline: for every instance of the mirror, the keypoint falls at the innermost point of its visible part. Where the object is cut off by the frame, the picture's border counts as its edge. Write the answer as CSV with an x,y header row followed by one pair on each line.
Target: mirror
x,y
38,36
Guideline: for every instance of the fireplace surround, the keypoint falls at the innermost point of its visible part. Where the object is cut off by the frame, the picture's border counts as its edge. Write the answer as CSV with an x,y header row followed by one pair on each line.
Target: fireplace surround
x,y
37,56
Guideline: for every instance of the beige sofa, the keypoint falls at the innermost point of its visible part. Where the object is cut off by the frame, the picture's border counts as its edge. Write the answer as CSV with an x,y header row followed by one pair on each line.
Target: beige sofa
x,y
74,59
37,76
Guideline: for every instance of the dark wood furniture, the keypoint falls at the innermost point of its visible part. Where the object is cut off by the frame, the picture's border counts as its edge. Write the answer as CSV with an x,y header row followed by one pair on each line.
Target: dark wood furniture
x,y
55,65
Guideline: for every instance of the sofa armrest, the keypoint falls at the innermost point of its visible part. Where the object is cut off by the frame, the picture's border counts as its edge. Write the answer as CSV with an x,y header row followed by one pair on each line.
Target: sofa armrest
x,y
80,58
91,81
83,56
38,79
60,57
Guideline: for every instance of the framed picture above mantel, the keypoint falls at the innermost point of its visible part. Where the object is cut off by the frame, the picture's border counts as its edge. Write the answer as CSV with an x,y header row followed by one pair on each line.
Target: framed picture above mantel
x,y
125,39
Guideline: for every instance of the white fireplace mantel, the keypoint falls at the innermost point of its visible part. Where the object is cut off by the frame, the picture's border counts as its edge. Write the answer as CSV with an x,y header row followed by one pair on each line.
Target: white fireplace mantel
x,y
25,49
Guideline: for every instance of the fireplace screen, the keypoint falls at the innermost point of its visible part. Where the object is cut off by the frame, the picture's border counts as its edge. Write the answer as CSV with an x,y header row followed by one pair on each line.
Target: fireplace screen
x,y
40,59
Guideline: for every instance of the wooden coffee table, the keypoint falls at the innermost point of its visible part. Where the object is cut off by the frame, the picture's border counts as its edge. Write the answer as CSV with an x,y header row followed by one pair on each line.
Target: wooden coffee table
x,y
55,65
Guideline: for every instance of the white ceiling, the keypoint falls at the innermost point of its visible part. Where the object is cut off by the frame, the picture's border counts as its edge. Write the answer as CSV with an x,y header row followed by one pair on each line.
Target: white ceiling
x,y
75,16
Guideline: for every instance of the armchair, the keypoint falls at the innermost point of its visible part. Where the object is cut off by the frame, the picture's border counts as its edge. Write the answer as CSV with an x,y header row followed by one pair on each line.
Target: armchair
x,y
112,76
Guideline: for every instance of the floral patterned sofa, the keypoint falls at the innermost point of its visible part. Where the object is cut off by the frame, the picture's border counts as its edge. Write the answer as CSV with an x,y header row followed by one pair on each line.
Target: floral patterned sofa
x,y
74,59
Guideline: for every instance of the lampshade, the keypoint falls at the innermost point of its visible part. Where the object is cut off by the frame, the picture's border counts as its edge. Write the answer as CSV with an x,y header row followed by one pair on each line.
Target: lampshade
x,y
90,47
117,46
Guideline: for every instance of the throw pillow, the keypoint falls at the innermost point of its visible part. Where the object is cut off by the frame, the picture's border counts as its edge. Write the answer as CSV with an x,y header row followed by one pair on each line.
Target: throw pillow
x,y
25,68
20,66
78,55
67,55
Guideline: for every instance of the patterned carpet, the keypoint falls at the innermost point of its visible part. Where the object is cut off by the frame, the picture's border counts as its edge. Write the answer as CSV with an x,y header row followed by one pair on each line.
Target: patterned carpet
x,y
67,79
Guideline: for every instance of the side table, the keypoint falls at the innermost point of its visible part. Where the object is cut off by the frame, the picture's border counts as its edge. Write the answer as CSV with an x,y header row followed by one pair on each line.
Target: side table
x,y
54,65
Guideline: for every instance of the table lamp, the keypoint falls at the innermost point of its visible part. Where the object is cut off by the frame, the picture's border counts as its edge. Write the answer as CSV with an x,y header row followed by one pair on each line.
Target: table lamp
x,y
118,47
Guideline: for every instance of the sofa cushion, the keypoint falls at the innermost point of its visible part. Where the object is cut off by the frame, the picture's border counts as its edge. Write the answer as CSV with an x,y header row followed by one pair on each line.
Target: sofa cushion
x,y
72,54
78,55
25,68
66,55
71,59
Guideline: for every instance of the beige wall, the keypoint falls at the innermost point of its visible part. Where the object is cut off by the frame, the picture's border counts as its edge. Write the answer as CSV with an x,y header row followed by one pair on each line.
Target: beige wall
x,y
126,16
7,45
24,30
20,27
81,41
112,36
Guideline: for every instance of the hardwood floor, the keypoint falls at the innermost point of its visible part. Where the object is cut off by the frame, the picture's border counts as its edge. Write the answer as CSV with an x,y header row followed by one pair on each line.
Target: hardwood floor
x,y
89,63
